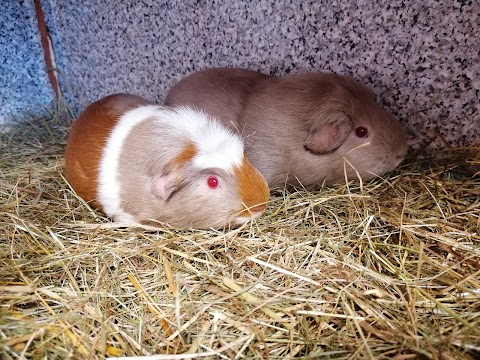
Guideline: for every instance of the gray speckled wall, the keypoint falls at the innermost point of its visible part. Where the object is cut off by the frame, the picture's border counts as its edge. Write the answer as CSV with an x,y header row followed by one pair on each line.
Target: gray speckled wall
x,y
24,85
421,57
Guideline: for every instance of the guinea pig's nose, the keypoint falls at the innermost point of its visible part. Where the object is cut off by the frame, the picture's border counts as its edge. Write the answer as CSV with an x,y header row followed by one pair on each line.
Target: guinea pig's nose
x,y
257,208
253,211
402,151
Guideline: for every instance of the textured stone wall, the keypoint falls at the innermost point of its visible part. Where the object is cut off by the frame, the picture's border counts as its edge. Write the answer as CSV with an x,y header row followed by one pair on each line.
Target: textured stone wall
x,y
421,57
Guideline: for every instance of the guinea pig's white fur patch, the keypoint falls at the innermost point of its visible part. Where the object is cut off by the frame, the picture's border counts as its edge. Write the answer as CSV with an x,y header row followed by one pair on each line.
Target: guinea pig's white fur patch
x,y
217,147
108,182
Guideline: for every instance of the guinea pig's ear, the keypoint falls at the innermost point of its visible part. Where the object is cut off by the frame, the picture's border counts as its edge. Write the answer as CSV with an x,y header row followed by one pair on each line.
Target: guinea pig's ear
x,y
164,185
328,132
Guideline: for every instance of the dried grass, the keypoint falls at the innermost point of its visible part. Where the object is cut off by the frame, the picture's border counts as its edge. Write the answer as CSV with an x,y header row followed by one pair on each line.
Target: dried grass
x,y
385,270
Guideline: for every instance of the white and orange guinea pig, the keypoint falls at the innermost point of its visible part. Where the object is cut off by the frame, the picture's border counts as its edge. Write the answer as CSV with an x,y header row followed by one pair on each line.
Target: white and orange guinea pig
x,y
143,163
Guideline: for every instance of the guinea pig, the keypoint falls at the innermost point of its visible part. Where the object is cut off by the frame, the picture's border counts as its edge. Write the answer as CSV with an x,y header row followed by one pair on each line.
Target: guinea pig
x,y
143,163
304,129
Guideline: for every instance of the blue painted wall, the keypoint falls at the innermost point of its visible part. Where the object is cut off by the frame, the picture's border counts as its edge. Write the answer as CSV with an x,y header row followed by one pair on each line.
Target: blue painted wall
x,y
24,86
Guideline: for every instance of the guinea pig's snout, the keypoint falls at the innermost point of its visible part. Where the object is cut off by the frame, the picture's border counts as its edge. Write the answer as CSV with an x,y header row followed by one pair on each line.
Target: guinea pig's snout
x,y
249,213
401,155
258,209
253,211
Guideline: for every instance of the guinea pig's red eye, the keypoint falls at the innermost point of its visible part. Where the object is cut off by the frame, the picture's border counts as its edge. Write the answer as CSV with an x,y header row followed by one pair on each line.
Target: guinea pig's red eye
x,y
212,182
361,132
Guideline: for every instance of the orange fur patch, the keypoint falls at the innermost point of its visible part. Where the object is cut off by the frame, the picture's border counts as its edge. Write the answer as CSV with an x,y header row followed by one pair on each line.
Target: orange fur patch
x,y
253,189
86,141
186,155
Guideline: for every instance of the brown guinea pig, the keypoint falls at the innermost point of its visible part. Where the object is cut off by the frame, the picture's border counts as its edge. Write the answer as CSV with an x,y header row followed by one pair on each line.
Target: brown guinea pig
x,y
304,129
143,163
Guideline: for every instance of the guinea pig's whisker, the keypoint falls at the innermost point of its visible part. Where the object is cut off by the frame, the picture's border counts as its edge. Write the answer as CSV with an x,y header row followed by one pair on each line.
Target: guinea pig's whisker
x,y
235,125
359,146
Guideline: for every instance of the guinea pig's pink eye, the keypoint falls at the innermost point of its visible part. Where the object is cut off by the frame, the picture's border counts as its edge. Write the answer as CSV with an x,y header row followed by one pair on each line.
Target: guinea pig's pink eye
x,y
212,182
361,132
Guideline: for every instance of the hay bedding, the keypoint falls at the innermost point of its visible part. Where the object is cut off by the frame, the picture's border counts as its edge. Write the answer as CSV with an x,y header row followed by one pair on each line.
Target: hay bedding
x,y
387,270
